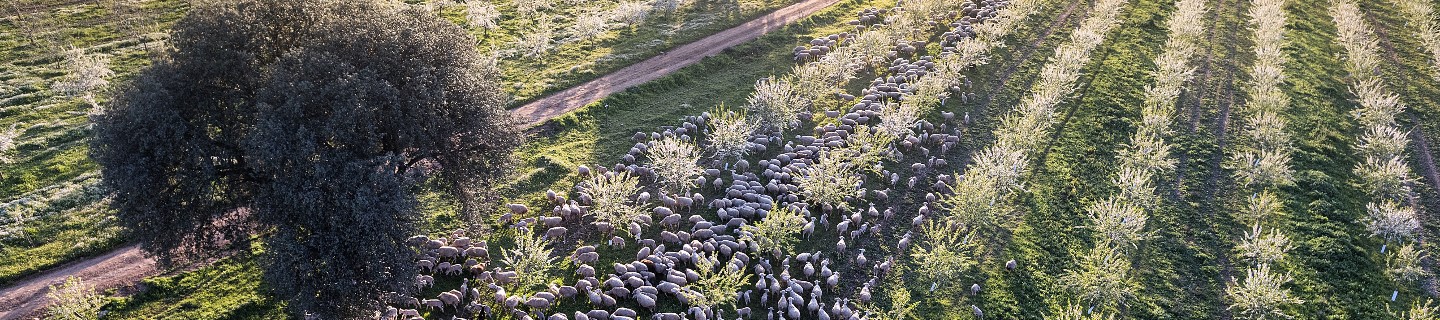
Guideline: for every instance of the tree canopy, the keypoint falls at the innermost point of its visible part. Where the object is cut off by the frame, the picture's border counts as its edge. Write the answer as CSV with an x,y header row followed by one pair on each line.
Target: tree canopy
x,y
309,126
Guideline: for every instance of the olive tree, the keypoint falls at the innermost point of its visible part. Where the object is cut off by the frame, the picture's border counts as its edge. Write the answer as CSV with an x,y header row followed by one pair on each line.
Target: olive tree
x,y
675,162
1261,294
610,194
74,300
311,125
87,74
8,141
776,231
717,284
1102,279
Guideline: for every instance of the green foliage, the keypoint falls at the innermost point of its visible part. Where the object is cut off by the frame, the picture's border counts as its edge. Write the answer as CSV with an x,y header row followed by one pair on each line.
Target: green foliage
x,y
1076,312
1418,311
676,163
901,307
1259,247
729,134
1405,264
531,258
718,284
286,118
1261,294
775,103
610,194
74,300
1102,279
775,233
945,256
829,181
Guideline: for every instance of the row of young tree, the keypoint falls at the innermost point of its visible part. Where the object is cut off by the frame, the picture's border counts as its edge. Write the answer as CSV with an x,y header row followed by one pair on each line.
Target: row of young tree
x,y
1420,16
1392,212
1118,222
1261,165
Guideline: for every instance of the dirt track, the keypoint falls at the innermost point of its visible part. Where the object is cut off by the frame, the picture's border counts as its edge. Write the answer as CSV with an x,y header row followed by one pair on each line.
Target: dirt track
x,y
565,101
127,265
118,268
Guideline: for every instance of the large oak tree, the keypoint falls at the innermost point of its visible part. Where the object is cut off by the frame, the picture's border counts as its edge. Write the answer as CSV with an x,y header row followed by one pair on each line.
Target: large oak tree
x,y
307,125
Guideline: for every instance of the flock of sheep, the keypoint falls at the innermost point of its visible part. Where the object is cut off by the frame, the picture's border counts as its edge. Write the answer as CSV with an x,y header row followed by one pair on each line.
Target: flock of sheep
x,y
803,285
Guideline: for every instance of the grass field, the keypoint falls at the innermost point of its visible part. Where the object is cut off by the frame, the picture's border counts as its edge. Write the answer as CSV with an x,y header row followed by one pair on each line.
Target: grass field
x,y
1181,272
51,151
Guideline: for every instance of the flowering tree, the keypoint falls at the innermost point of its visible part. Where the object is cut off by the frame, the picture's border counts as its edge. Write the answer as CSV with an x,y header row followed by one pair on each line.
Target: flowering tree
x,y
1260,295
610,194
730,134
74,300
776,232
675,163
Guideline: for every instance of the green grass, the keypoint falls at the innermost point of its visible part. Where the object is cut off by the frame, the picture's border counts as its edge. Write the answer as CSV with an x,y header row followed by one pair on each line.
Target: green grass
x,y
52,148
572,63
230,288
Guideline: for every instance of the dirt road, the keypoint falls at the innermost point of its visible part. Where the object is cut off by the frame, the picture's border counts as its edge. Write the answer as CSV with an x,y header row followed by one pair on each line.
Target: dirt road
x,y
565,101
118,268
127,265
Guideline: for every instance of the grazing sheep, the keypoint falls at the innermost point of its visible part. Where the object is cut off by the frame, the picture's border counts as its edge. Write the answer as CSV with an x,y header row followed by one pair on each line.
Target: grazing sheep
x,y
555,232
450,298
425,265
447,252
646,301
505,277
478,251
588,257
409,313
538,303
625,312
1010,265
433,304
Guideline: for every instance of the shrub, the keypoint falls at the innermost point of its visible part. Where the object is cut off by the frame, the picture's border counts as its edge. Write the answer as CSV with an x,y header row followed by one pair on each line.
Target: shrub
x,y
74,300
1260,295
730,134
482,15
610,194
676,164
776,232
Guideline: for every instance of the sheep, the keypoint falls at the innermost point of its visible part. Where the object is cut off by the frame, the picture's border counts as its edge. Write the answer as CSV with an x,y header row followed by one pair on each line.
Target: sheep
x,y
555,232
425,265
433,304
538,303
645,300
447,252
455,269
506,277
477,251
598,314
586,270
450,298
625,312
1010,265
409,313
975,289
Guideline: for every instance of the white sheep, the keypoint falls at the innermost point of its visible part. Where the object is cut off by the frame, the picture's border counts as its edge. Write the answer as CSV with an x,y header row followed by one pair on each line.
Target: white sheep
x,y
433,304
447,252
